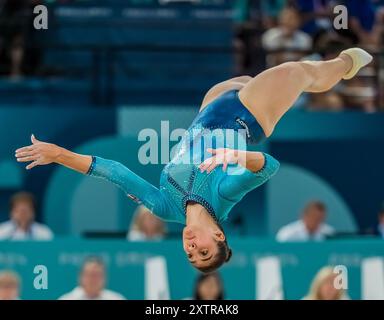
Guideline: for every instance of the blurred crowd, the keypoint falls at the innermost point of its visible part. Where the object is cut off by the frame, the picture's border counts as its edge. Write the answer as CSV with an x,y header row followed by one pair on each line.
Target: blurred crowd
x,y
291,30
310,226
282,30
92,281
17,55
92,285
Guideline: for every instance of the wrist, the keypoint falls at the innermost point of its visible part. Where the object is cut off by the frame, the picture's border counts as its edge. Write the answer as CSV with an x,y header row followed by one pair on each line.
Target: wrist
x,y
240,157
59,155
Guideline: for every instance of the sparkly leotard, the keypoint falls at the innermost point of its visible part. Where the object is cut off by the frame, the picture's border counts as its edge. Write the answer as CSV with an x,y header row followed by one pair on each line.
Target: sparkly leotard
x,y
225,123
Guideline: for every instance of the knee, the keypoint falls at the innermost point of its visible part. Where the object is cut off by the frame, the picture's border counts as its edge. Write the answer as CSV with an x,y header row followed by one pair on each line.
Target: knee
x,y
297,70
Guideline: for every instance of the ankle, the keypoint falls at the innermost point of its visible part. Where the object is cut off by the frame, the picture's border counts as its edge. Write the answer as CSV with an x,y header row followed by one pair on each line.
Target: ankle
x,y
348,62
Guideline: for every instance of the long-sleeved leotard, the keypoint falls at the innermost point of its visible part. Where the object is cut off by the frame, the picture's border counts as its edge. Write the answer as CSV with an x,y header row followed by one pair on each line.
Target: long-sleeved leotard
x,y
217,191
181,180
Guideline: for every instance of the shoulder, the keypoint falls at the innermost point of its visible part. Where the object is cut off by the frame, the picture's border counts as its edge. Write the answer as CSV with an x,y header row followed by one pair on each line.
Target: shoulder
x,y
289,230
41,231
112,295
271,33
325,228
270,38
295,225
6,225
303,37
5,228
74,294
135,235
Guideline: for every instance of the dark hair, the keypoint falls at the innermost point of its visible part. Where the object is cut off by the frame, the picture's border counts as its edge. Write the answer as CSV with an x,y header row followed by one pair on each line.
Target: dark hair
x,y
92,259
22,197
224,254
204,277
315,204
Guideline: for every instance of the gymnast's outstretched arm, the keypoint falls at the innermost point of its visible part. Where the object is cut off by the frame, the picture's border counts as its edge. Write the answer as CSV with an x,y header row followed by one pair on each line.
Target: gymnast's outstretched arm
x,y
138,189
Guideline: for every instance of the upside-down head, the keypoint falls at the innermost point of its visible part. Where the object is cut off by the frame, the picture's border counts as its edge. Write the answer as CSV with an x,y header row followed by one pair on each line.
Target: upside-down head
x,y
206,247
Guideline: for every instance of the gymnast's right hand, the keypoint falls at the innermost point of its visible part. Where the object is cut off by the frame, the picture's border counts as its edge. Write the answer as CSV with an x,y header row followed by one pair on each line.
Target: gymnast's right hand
x,y
38,153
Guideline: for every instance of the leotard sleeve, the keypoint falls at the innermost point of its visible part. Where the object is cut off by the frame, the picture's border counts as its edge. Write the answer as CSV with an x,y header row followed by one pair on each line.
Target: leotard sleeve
x,y
136,188
239,181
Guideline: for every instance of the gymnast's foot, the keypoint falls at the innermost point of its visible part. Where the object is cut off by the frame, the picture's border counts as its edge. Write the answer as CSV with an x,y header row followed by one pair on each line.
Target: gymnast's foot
x,y
360,58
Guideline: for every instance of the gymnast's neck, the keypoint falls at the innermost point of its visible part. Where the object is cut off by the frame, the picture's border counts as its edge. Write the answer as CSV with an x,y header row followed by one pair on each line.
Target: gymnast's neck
x,y
196,215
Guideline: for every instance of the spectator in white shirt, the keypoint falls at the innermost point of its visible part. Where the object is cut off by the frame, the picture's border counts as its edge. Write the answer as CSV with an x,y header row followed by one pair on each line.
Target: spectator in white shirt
x,y
22,224
92,283
146,226
9,286
311,226
286,36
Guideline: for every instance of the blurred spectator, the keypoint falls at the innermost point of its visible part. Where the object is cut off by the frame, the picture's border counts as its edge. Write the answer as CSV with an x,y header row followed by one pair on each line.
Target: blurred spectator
x,y
378,28
14,26
146,226
311,226
9,286
328,101
359,94
380,225
92,281
209,287
316,14
323,287
22,224
361,19
271,11
286,36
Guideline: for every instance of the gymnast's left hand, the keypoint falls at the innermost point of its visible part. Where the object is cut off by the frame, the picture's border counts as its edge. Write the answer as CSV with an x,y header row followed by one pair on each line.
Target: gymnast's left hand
x,y
222,156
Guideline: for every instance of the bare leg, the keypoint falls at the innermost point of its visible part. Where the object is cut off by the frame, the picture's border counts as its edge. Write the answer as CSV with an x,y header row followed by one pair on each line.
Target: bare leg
x,y
270,94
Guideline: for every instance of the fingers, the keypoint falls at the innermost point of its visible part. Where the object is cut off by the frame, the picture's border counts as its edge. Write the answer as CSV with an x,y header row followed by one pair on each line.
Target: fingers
x,y
209,165
26,154
25,149
22,154
212,166
219,158
28,159
29,154
33,164
33,139
205,165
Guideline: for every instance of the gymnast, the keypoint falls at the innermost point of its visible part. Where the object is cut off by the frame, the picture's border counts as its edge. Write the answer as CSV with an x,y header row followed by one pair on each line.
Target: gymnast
x,y
199,190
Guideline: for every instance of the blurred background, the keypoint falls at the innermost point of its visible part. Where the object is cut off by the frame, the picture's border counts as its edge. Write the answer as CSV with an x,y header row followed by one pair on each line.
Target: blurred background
x,y
105,70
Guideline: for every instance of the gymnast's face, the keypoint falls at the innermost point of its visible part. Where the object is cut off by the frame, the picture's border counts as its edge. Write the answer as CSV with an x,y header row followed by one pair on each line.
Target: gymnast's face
x,y
200,244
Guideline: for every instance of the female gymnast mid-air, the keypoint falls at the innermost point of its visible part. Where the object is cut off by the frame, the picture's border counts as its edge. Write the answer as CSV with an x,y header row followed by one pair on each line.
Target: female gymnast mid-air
x,y
198,193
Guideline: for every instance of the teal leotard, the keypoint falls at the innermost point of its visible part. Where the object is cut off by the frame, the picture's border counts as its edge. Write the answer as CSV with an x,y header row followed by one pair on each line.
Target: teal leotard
x,y
181,180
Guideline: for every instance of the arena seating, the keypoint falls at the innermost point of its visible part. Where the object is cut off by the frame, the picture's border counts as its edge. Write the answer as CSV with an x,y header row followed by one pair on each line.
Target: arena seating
x,y
174,51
